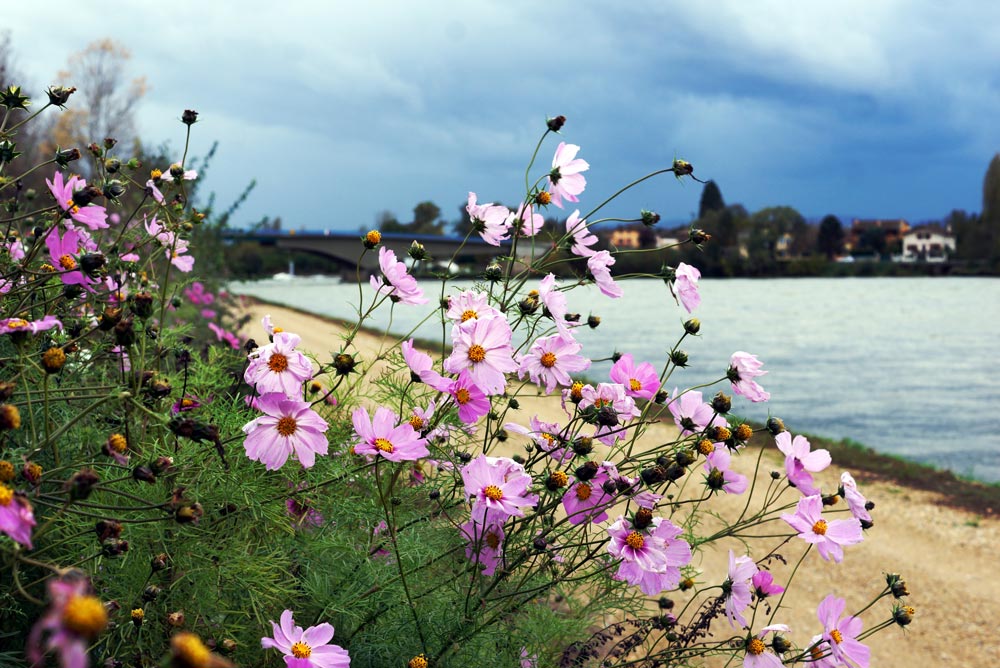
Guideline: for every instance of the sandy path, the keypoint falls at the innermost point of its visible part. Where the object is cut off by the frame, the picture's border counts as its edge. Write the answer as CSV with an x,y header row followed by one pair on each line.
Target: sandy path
x,y
948,557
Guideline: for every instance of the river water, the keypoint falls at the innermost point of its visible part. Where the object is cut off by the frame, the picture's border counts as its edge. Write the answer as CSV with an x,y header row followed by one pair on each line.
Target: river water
x,y
907,366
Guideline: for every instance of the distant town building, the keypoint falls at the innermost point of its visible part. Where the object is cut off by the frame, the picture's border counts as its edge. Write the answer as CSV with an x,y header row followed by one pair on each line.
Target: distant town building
x,y
893,229
928,243
625,237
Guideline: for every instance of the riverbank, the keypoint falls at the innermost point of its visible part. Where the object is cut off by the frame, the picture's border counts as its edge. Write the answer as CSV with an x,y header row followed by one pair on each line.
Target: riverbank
x,y
944,550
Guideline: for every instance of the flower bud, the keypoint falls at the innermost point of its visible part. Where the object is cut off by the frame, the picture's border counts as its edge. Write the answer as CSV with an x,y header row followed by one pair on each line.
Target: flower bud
x,y
12,98
417,251
137,615
372,239
593,321
721,403
661,397
58,95
493,273
65,156
106,529
682,168
649,218
53,360
114,547
903,614
684,457
698,237
7,472
586,471
692,326
543,197
528,305
555,124
8,151
82,483
142,304
125,332
110,143
150,593
642,518
583,445
92,264
780,644
653,475
228,646
176,619
159,562
6,390
188,514
609,487
189,117
109,318
32,472
679,358
775,425
344,363
144,474
539,543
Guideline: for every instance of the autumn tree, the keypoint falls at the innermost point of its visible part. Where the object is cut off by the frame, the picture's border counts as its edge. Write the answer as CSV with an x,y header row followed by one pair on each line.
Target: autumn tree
x,y
711,199
830,240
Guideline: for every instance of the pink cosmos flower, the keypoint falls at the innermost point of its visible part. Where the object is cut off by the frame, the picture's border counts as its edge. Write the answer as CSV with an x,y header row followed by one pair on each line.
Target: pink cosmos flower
x,y
546,436
855,501
693,415
15,325
565,179
641,382
383,436
597,265
16,516
483,347
223,335
497,488
123,361
524,221
420,418
14,248
197,294
305,649
93,216
469,305
395,282
279,367
177,256
472,402
737,588
743,368
64,252
720,476
651,558
551,360
208,314
287,427
840,636
183,175
73,619
586,500
828,537
799,461
580,236
528,661
686,286
188,402
764,585
610,408
303,515
757,655
490,220
554,302
422,367
484,544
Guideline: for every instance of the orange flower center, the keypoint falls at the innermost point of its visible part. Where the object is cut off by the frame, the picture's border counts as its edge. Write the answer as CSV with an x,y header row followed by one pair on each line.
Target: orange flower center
x,y
67,262
300,650
416,422
469,315
755,647
85,616
477,353
548,360
287,426
705,446
155,174
820,527
583,491
277,363
492,540
17,323
384,445
6,495
576,391
548,438
836,636
462,396
117,442
373,237
635,540
634,384
493,493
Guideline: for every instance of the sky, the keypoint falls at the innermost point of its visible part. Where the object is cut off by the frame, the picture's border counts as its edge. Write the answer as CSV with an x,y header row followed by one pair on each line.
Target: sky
x,y
343,110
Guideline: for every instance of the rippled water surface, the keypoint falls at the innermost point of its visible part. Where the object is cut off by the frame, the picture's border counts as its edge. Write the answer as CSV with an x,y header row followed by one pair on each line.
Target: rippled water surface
x,y
905,365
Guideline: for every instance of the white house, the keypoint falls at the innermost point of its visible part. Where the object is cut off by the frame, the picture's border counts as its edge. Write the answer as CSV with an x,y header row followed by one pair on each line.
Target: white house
x,y
927,244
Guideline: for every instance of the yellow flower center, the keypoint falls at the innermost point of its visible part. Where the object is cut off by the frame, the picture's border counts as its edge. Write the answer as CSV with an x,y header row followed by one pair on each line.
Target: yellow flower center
x,y
190,650
492,540
576,391
722,434
836,636
559,478
85,616
462,396
469,315
155,174
277,363
418,661
755,647
548,360
477,353
635,540
6,495
548,438
543,197
138,614
705,446
17,323
187,403
416,422
744,432
300,650
384,445
287,426
493,493
373,237
6,471
583,491
47,267
820,527
634,385
67,262
117,442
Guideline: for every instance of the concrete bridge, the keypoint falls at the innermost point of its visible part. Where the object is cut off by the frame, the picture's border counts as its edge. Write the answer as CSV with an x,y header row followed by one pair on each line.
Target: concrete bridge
x,y
345,247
